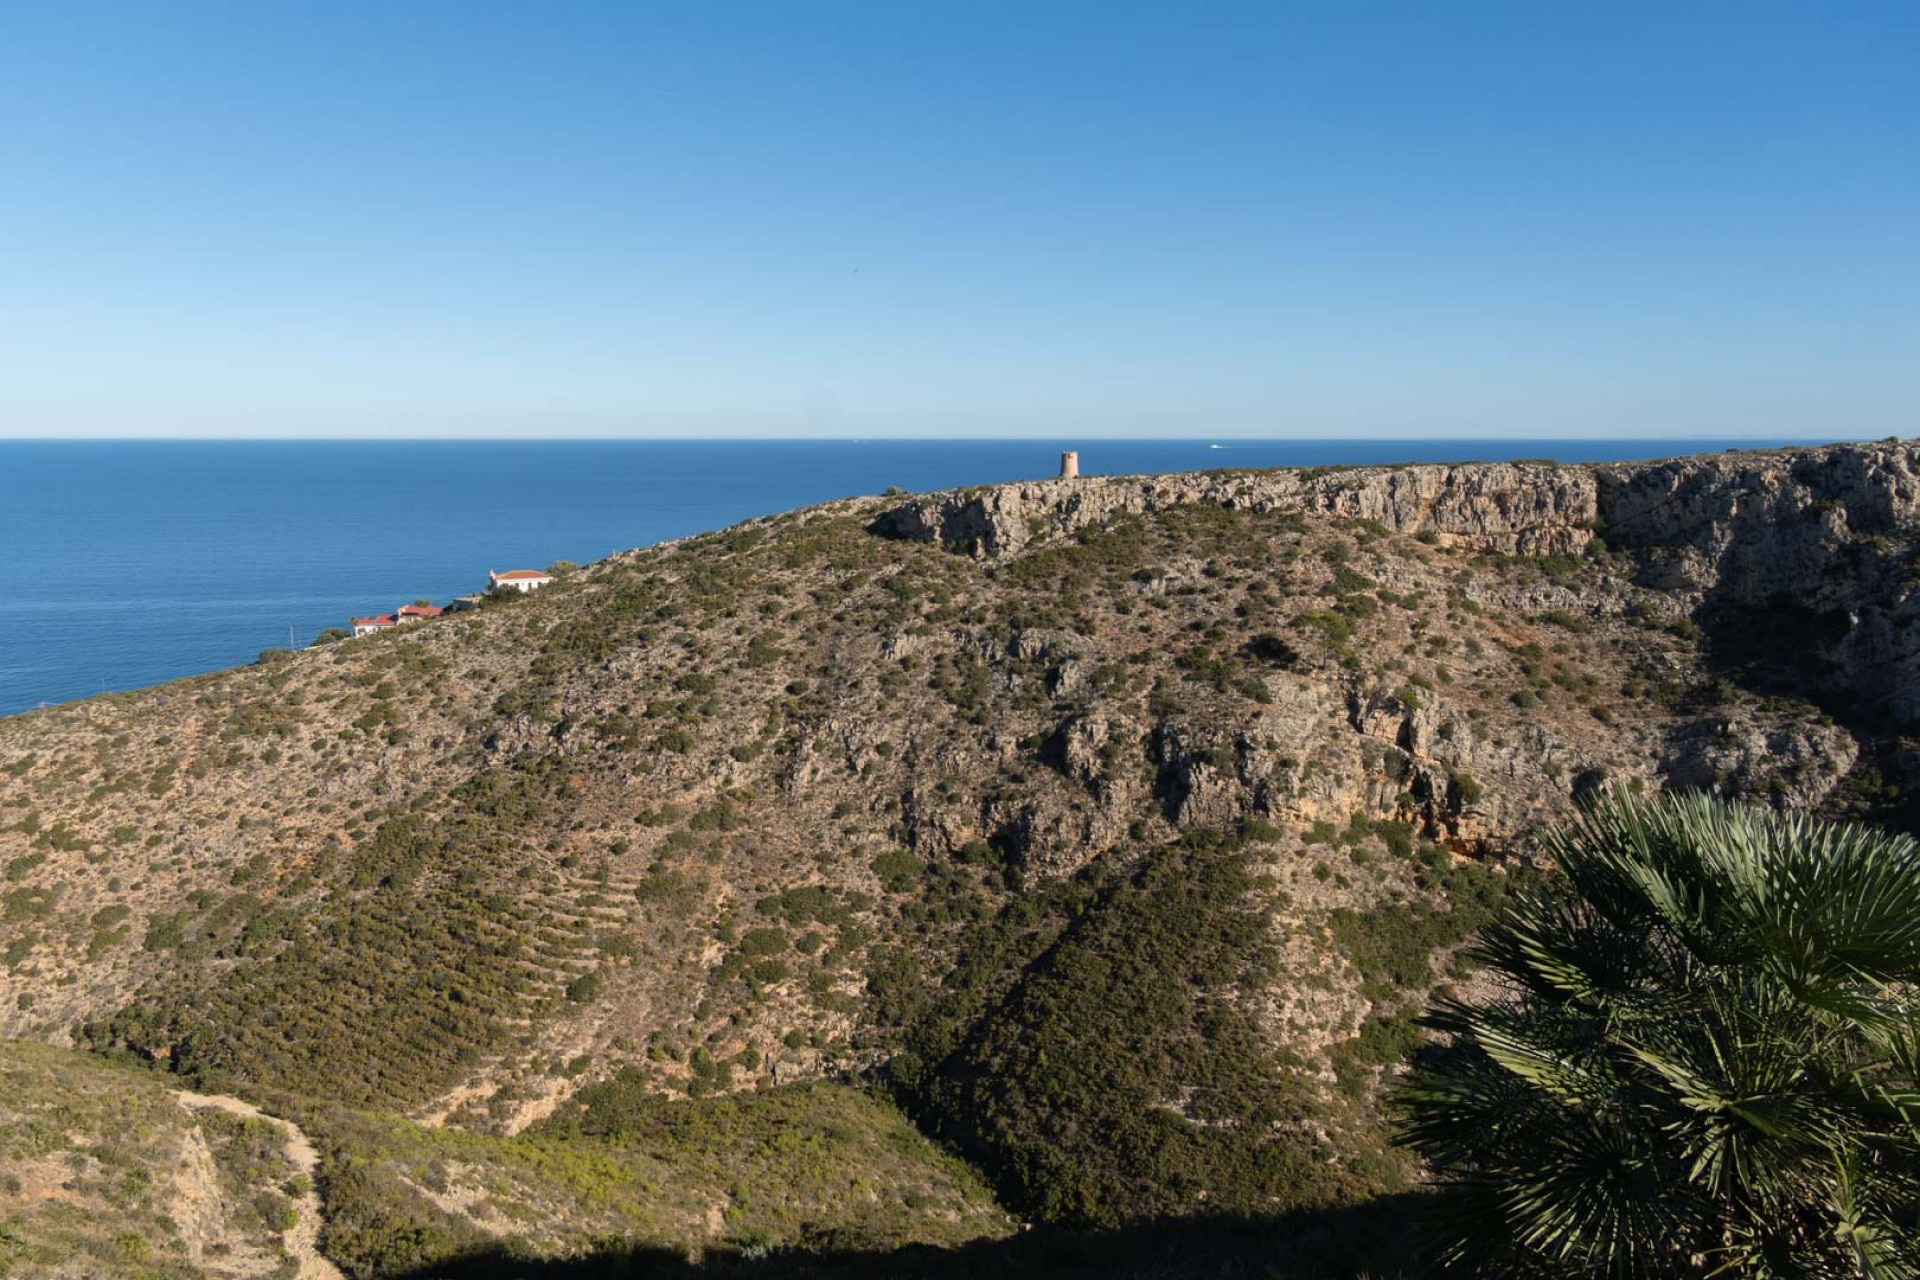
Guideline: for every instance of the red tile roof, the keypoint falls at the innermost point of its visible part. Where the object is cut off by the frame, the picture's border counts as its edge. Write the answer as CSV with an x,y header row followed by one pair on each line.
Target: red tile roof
x,y
382,620
419,611
518,575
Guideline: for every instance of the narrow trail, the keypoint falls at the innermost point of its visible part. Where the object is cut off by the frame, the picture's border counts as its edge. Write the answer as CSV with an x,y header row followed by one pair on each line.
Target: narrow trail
x,y
302,1240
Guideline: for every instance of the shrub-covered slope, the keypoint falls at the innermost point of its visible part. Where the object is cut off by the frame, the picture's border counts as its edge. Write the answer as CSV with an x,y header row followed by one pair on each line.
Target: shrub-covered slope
x,y
812,1166
1119,827
105,1171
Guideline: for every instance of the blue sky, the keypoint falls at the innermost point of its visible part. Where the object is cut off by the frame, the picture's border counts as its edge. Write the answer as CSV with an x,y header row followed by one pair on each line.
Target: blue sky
x,y
959,219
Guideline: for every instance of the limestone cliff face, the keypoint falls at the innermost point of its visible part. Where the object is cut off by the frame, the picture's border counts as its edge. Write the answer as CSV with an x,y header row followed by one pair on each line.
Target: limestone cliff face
x,y
1513,508
1816,544
1762,524
1822,533
1762,520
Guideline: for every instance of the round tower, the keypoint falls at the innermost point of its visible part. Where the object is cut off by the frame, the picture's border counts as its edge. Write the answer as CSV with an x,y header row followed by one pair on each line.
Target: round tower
x,y
1069,465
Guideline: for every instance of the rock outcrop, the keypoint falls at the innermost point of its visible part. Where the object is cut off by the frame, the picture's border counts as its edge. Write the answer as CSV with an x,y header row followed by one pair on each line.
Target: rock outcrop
x,y
1818,537
1508,507
1809,550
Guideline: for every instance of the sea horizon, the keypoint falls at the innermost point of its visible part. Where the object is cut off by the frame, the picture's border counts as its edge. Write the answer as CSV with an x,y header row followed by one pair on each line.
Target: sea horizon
x,y
1757,441
142,560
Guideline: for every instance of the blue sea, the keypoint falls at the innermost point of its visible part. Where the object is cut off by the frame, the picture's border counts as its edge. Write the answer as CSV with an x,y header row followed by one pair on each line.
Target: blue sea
x,y
129,563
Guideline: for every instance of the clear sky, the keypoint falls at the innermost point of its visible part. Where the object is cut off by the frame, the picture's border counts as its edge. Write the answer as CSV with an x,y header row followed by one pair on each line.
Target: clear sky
x,y
951,219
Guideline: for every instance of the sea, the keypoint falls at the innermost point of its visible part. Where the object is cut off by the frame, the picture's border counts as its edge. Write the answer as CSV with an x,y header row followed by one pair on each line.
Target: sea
x,y
128,563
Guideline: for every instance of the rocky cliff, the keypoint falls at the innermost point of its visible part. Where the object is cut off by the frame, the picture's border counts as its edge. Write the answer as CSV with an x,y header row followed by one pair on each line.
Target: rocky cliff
x,y
1510,508
1822,532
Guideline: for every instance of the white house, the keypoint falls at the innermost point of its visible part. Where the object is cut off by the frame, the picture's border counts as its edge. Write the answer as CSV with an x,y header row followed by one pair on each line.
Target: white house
x,y
519,579
380,622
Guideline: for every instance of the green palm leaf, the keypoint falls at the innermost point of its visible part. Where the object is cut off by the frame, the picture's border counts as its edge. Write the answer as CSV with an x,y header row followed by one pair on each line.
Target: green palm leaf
x,y
1706,1062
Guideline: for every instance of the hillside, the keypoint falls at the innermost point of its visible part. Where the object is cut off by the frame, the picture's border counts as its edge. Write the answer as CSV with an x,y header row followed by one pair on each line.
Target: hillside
x,y
1114,828
107,1171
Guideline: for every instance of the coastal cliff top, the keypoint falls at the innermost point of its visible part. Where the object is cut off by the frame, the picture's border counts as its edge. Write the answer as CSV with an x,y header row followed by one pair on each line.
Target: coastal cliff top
x,y
1513,508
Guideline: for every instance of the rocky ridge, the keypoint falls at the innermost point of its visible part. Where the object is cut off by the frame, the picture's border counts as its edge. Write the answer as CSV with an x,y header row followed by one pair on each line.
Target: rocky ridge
x,y
1820,530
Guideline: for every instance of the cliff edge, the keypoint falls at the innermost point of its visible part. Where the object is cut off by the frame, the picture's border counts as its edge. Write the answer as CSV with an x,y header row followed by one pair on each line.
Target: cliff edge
x,y
1818,534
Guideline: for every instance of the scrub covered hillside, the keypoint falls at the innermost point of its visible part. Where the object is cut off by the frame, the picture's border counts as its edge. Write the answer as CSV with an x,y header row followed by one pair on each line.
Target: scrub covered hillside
x,y
1114,831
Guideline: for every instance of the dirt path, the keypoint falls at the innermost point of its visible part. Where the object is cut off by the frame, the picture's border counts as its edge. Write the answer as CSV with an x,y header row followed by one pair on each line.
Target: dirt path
x,y
435,1113
525,1113
302,1241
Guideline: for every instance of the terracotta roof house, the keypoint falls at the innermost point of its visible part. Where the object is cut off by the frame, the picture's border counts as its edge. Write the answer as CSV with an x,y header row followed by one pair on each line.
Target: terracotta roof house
x,y
519,579
415,612
380,622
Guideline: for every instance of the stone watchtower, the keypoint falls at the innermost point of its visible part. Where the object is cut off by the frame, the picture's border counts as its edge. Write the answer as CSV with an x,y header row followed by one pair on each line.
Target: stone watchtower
x,y
1070,465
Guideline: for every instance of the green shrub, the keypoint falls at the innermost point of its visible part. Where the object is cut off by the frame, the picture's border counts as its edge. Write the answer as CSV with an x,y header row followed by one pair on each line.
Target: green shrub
x,y
762,942
1334,626
899,871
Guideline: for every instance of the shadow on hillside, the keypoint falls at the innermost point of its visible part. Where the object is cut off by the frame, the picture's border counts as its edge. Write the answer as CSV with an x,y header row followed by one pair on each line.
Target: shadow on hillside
x,y
1786,650
1370,1240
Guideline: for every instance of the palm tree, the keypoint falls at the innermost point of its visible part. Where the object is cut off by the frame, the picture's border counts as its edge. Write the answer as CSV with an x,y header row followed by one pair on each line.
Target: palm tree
x,y
1702,1060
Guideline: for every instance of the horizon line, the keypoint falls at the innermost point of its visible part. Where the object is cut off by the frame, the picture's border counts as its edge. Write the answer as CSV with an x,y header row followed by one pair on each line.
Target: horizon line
x,y
902,439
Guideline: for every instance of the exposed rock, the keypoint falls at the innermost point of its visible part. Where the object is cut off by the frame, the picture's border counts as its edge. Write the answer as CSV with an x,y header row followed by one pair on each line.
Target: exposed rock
x,y
1795,764
1816,530
1513,508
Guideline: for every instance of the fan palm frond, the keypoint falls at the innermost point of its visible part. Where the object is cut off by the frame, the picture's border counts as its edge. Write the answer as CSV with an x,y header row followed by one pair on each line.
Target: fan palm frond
x,y
1706,1064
